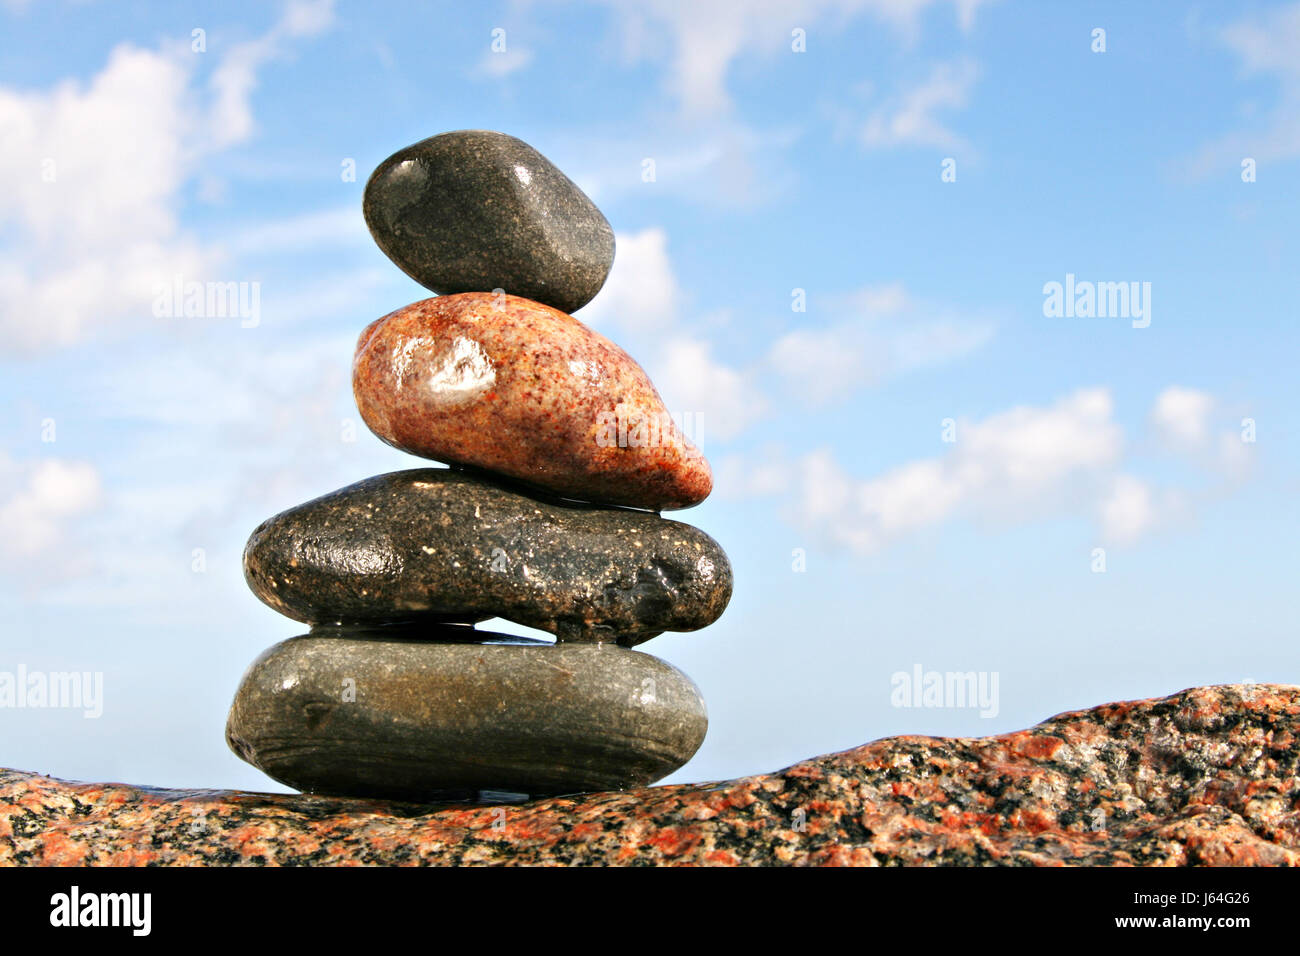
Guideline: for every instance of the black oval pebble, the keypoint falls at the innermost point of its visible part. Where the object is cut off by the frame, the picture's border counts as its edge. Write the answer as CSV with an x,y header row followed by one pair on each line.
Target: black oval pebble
x,y
477,210
436,544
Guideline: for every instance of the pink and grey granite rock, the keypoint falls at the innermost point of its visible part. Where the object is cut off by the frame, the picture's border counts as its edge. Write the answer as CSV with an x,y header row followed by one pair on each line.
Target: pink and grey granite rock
x,y
1209,776
515,387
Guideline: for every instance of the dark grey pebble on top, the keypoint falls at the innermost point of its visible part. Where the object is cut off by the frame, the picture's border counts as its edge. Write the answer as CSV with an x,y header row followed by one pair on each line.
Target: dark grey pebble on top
x,y
477,210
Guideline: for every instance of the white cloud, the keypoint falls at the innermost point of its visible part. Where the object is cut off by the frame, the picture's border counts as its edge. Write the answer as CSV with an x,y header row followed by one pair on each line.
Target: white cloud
x,y
884,333
37,501
1029,447
642,302
1008,465
1181,416
641,292
1128,511
1063,459
719,399
91,241
1195,425
95,174
911,118
706,36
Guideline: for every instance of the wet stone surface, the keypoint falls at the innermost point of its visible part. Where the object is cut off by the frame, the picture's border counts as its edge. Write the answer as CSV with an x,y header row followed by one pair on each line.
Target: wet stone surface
x,y
438,544
520,389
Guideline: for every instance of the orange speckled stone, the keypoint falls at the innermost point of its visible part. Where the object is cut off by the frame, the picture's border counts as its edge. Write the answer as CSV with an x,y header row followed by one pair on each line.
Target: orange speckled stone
x,y
519,388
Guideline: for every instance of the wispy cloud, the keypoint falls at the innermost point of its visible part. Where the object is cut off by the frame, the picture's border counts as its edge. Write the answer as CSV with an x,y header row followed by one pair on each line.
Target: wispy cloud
x,y
218,433
913,116
340,225
720,162
705,37
701,146
881,332
497,65
1268,45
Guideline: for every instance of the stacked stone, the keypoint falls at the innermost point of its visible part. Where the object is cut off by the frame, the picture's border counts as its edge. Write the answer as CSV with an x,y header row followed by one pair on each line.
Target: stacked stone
x,y
561,453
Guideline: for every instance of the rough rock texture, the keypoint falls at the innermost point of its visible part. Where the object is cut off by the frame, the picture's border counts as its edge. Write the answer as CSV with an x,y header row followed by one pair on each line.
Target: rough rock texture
x,y
520,389
1207,776
378,714
477,210
444,545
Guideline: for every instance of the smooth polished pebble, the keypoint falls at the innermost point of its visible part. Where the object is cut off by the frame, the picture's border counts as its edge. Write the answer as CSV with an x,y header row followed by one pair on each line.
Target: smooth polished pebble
x,y
477,210
521,389
368,715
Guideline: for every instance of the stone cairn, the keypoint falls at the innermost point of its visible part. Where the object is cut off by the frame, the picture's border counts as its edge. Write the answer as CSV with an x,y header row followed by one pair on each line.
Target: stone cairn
x,y
561,453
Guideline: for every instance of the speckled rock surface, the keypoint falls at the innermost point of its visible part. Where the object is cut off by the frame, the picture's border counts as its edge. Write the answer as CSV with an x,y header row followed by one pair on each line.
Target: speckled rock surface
x,y
476,210
1207,777
441,544
367,714
520,389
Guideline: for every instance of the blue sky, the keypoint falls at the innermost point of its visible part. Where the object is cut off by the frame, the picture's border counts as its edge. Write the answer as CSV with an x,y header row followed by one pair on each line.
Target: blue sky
x,y
131,441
